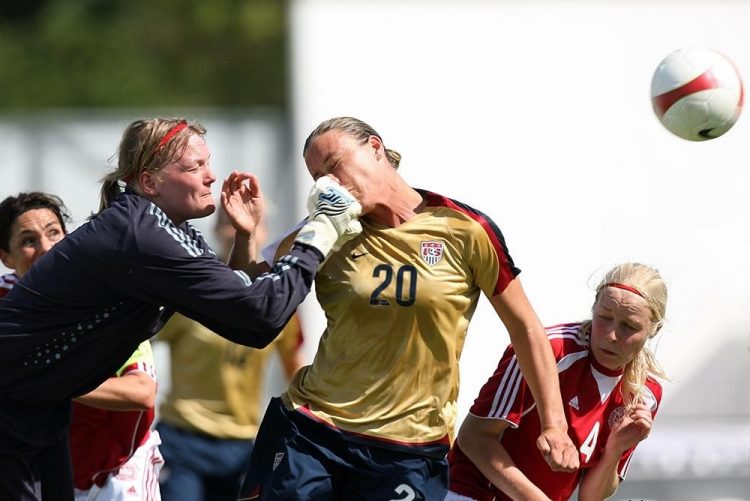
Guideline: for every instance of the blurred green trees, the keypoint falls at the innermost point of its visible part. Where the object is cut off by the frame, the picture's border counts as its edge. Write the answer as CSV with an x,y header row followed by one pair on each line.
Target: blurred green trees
x,y
103,53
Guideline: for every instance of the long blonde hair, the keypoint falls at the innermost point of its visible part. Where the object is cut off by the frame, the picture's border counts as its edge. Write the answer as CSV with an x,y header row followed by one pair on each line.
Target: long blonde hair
x,y
650,285
147,146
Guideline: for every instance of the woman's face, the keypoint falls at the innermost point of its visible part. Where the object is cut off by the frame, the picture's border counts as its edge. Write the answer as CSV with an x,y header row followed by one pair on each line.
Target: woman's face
x,y
32,234
183,187
348,161
620,327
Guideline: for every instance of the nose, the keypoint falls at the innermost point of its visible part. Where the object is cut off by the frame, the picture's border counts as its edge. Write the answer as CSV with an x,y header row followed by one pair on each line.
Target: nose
x,y
45,244
611,335
210,176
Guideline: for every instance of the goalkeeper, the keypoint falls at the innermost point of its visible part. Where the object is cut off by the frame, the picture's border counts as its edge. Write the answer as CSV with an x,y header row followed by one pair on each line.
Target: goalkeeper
x,y
86,305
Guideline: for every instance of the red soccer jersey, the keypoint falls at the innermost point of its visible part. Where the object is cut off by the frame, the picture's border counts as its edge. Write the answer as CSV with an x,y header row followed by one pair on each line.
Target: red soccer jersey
x,y
592,399
102,440
7,282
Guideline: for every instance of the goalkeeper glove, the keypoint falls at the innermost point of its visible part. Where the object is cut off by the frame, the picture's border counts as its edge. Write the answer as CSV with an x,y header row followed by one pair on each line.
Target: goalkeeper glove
x,y
333,217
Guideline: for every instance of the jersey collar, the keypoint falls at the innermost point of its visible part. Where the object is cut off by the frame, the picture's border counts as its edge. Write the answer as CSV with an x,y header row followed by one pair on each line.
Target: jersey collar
x,y
602,369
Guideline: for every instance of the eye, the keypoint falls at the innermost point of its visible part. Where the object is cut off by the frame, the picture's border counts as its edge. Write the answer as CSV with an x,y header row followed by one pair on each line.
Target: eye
x,y
604,316
27,242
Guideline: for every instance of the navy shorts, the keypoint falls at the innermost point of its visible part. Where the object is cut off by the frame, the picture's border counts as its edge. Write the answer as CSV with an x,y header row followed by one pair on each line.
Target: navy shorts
x,y
199,466
296,457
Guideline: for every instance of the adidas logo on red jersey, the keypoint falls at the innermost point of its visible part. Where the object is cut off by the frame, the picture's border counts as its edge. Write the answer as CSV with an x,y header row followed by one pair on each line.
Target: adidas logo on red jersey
x,y
574,402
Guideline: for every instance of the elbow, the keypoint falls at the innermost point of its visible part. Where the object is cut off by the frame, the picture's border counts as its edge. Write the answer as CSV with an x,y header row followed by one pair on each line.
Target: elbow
x,y
583,496
253,332
144,397
589,492
261,341
267,329
469,442
148,401
259,337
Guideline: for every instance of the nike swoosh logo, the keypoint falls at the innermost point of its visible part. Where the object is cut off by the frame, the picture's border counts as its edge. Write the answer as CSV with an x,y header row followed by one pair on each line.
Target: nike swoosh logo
x,y
357,256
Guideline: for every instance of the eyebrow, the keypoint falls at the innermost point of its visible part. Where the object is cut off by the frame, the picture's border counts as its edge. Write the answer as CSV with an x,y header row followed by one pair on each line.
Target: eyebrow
x,y
327,160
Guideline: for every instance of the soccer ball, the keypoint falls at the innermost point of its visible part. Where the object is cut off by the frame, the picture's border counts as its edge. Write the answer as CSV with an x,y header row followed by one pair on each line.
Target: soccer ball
x,y
697,93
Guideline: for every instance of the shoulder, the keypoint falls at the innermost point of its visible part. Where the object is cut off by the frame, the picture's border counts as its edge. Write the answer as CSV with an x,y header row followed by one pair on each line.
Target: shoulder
x,y
467,224
153,232
125,206
652,393
565,340
458,210
113,226
7,282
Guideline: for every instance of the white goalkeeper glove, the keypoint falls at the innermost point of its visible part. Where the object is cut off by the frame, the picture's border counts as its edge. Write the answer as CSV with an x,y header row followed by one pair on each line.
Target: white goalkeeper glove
x,y
333,217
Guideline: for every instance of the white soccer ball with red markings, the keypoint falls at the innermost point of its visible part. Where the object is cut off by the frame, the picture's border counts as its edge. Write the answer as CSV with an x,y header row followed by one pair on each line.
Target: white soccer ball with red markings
x,y
697,93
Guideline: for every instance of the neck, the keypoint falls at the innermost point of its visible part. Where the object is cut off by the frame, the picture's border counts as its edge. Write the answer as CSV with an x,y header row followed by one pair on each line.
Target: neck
x,y
604,369
400,204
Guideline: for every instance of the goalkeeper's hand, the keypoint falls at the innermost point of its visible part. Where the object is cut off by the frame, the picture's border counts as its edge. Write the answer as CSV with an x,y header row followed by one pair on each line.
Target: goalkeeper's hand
x,y
333,217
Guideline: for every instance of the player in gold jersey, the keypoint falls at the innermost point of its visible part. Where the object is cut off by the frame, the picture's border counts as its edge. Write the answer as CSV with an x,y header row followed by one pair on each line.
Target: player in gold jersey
x,y
373,416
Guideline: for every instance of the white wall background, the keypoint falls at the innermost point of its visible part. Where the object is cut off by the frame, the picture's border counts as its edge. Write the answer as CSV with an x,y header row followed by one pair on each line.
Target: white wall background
x,y
539,114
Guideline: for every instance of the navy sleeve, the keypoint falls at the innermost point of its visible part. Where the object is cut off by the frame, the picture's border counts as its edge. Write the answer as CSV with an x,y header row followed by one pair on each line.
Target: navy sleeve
x,y
172,266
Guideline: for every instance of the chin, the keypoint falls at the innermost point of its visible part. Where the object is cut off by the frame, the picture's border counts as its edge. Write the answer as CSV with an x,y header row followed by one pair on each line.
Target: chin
x,y
608,361
206,211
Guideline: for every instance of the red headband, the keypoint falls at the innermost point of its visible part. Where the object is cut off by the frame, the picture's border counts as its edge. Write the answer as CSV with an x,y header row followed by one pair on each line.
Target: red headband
x,y
623,287
169,135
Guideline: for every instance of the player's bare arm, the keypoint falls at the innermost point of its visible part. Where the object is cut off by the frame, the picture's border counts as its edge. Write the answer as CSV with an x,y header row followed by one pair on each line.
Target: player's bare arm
x,y
479,439
540,371
132,391
602,480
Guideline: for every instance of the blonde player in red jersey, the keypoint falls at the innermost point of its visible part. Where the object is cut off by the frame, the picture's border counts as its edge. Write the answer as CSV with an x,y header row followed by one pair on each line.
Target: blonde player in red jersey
x,y
373,416
606,378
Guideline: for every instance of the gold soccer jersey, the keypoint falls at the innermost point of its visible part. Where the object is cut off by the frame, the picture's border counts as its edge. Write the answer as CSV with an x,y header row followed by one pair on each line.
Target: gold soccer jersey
x,y
398,303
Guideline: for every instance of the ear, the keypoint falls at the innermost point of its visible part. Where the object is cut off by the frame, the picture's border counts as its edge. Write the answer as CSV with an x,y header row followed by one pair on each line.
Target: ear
x,y
147,183
377,145
7,260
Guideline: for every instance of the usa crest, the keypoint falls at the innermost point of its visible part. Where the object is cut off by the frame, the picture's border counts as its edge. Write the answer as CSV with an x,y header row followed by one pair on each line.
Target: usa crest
x,y
432,251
